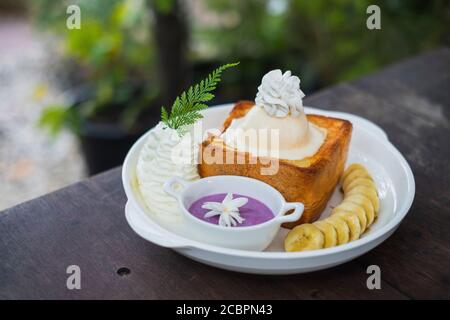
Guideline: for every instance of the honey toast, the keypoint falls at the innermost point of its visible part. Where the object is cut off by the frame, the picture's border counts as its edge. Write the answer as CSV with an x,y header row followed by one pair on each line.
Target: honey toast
x,y
310,180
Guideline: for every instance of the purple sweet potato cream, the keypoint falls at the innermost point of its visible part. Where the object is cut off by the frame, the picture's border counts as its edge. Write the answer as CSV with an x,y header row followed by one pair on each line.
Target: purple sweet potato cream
x,y
254,211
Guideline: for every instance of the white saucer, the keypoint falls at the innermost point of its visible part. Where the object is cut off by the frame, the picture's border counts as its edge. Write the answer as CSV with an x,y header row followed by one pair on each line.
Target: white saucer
x,y
369,145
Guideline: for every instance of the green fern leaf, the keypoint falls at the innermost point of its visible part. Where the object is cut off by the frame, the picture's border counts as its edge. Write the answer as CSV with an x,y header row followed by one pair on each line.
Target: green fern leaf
x,y
164,115
187,106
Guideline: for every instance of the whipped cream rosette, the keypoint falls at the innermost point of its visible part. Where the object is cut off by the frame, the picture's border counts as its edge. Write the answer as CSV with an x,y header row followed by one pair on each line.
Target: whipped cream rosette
x,y
280,95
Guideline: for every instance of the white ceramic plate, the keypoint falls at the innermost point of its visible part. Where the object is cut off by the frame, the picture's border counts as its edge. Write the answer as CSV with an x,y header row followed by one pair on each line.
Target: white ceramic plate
x,y
369,145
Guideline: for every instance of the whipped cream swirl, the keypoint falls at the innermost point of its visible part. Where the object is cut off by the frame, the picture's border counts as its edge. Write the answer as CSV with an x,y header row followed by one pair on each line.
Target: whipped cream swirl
x,y
157,163
279,94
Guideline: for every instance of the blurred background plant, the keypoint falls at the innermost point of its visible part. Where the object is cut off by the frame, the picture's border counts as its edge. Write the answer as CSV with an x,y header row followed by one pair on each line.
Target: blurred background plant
x,y
110,61
125,55
132,56
323,41
110,72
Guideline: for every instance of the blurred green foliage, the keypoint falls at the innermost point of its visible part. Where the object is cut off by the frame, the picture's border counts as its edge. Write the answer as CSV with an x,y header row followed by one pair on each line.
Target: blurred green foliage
x,y
113,57
322,41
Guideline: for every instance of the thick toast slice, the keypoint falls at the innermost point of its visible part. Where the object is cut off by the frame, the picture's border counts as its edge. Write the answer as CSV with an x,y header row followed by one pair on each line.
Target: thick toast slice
x,y
310,180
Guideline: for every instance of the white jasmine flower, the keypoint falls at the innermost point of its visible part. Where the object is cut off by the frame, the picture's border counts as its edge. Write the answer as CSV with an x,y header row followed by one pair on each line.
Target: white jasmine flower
x,y
227,210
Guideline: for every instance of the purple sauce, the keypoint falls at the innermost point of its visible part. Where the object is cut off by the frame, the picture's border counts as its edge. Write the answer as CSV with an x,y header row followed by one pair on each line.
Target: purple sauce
x,y
254,211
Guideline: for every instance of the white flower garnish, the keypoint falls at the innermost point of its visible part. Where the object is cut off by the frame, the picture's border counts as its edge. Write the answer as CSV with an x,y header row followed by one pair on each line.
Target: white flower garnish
x,y
227,210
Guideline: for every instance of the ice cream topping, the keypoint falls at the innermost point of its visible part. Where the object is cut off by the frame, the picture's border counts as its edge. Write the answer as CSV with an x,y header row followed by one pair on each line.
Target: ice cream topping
x,y
277,125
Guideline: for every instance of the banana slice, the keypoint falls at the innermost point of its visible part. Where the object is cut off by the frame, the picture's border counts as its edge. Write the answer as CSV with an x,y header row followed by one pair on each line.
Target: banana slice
x,y
304,237
353,208
352,217
342,230
355,174
351,168
353,223
359,182
329,233
369,193
365,203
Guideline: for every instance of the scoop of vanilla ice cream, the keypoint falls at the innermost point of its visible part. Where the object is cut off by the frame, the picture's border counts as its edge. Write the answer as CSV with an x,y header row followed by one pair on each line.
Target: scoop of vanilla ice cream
x,y
277,125
291,132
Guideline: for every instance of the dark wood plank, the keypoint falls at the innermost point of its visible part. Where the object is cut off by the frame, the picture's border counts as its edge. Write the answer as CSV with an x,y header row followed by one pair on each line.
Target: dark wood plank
x,y
84,224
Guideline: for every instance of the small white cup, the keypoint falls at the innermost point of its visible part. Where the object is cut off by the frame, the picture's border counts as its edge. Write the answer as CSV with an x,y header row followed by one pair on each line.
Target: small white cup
x,y
256,237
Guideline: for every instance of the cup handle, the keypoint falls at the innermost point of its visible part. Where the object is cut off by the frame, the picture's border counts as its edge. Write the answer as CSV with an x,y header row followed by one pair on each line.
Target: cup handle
x,y
294,216
169,186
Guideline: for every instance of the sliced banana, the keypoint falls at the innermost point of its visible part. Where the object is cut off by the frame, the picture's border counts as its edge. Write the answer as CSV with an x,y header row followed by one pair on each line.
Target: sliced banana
x,y
353,208
304,237
351,168
352,222
353,216
365,203
359,182
342,229
355,174
329,233
369,193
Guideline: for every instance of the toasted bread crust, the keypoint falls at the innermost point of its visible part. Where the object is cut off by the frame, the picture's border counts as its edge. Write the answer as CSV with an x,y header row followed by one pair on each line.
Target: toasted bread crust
x,y
311,180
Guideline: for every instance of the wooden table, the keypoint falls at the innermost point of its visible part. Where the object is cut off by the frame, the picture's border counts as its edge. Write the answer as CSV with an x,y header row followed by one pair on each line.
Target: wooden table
x,y
84,224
